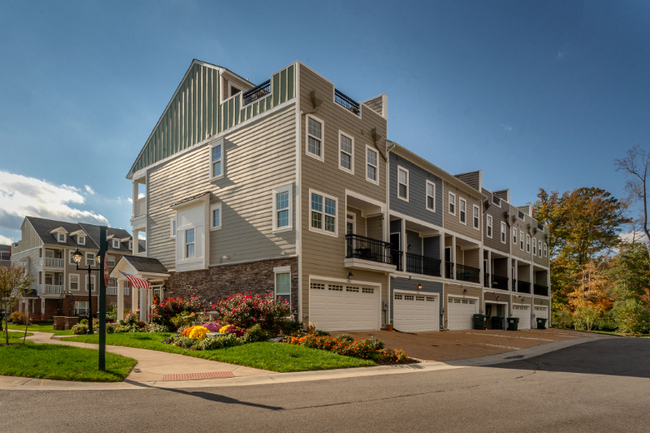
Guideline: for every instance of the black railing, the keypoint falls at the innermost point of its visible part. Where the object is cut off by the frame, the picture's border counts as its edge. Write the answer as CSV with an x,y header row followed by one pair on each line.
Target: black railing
x,y
514,285
467,273
449,270
523,286
540,226
346,102
496,200
422,265
361,247
486,280
256,93
540,290
499,282
521,215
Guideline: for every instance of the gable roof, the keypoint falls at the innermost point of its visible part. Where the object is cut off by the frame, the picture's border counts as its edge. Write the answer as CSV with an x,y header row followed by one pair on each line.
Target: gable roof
x,y
146,264
44,228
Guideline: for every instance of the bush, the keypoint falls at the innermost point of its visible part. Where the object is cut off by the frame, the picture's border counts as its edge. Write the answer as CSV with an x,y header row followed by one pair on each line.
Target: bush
x,y
155,327
369,348
631,317
292,326
212,326
562,319
80,328
244,311
393,356
256,333
320,332
607,322
198,332
346,337
18,318
163,312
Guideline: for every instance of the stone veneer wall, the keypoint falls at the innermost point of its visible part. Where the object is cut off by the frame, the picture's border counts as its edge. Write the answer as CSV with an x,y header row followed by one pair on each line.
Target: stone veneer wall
x,y
219,282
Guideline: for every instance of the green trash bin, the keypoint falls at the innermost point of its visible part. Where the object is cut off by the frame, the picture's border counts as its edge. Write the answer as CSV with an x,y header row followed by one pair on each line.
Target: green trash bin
x,y
479,321
513,323
541,323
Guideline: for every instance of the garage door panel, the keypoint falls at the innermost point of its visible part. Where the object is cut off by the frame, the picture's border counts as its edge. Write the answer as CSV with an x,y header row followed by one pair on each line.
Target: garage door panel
x,y
523,313
460,312
416,313
541,313
336,307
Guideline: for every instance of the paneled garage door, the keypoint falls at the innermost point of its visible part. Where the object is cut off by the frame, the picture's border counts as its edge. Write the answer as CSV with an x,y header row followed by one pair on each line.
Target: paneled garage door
x,y
541,313
413,313
523,312
460,312
342,307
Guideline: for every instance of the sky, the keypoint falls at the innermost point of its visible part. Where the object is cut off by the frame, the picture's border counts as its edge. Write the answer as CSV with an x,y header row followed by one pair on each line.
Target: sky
x,y
537,94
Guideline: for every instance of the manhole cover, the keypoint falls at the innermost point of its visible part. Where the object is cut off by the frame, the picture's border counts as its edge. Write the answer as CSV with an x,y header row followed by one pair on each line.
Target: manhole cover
x,y
515,357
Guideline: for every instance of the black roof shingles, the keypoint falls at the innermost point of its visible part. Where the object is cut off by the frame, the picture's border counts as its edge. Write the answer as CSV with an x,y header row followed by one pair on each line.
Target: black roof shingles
x,y
44,226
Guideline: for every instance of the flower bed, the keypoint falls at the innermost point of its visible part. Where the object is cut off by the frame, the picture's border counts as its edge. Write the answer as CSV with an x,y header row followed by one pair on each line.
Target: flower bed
x,y
366,348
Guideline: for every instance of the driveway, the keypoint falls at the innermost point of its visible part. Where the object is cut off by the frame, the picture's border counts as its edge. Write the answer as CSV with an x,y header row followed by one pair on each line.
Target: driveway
x,y
452,345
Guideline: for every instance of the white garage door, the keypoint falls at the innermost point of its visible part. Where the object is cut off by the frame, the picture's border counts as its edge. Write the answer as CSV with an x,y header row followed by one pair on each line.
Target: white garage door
x,y
342,307
413,313
541,313
460,312
523,312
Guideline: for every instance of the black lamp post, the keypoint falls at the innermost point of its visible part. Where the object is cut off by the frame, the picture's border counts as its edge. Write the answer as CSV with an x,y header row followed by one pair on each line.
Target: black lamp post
x,y
77,256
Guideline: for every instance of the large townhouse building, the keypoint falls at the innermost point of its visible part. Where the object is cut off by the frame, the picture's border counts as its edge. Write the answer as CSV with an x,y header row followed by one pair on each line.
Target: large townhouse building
x,y
45,250
291,188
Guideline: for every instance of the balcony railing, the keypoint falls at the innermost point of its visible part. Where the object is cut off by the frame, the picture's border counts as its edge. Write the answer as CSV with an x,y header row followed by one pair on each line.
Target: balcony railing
x,y
111,290
499,282
53,263
140,207
486,279
346,102
256,93
422,265
540,227
53,289
449,270
374,250
467,273
540,290
523,286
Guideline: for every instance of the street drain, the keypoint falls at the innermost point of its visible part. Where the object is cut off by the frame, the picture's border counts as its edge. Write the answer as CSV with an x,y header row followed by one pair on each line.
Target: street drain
x,y
515,357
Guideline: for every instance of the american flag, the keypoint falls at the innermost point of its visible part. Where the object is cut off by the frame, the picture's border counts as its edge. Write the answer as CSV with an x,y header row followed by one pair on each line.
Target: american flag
x,y
136,281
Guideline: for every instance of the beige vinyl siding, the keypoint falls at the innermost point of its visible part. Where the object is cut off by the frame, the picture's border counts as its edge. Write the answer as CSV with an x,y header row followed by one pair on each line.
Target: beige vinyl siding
x,y
452,222
498,216
461,291
29,238
376,104
323,255
540,243
375,227
521,227
473,179
258,158
472,258
31,257
360,228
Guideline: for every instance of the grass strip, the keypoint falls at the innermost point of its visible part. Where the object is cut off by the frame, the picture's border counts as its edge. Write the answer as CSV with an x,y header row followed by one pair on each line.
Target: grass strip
x,y
40,327
268,356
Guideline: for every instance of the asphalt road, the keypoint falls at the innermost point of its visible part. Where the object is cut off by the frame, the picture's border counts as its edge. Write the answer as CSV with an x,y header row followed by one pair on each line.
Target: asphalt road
x,y
601,386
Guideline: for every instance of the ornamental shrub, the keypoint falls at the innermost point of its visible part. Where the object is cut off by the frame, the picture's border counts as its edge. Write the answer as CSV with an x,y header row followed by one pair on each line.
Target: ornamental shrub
x,y
255,333
393,356
18,318
212,326
292,326
163,312
562,319
198,332
631,317
246,310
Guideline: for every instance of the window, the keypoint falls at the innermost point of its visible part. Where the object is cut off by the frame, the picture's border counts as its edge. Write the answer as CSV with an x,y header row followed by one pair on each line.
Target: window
x,y
489,226
72,262
131,245
452,203
189,243
514,235
545,251
539,248
521,240
81,308
127,288
112,282
74,282
372,167
111,261
315,138
283,284
477,220
81,240
403,183
116,244
61,237
346,152
282,208
527,243
503,232
217,159
323,214
462,204
215,217
534,246
90,259
172,227
431,196
92,283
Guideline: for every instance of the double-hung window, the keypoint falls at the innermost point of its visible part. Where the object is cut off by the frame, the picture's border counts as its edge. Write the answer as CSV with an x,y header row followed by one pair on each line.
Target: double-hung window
x,y
282,208
514,235
431,196
477,220
90,259
189,243
74,282
462,204
545,250
283,284
111,260
215,216
346,153
403,183
521,240
61,237
503,232
527,243
315,137
539,248
81,240
92,283
172,226
323,214
372,166
116,243
489,226
217,163
81,308
452,203
534,246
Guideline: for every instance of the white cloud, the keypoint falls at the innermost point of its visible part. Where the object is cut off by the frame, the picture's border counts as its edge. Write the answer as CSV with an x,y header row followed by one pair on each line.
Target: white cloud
x,y
629,237
5,240
89,190
21,196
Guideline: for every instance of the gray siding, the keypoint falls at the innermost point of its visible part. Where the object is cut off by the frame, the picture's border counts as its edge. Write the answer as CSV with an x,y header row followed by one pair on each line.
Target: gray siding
x,y
416,206
414,239
396,226
432,248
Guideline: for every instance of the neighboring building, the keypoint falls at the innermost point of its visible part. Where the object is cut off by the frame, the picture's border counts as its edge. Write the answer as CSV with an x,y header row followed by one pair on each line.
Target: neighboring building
x,y
291,188
45,249
5,255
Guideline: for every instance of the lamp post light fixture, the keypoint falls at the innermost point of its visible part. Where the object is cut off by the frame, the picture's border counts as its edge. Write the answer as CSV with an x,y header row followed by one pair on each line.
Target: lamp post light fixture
x,y
77,256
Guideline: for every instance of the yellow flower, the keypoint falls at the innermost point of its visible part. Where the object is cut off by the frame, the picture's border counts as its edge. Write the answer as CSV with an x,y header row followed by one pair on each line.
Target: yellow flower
x,y
198,332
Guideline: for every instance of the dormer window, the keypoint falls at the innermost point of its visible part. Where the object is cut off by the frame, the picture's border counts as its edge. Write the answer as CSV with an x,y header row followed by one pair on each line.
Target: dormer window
x,y
116,244
131,245
61,237
81,240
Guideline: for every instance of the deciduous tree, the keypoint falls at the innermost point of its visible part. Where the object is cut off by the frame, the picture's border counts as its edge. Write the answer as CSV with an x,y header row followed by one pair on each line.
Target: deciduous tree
x,y
14,283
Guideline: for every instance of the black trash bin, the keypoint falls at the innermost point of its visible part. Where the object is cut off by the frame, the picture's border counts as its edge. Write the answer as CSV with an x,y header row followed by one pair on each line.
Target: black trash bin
x,y
479,321
496,322
541,323
513,323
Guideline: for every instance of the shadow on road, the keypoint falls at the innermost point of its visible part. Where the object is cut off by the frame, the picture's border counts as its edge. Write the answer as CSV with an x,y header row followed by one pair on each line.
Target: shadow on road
x,y
612,356
220,398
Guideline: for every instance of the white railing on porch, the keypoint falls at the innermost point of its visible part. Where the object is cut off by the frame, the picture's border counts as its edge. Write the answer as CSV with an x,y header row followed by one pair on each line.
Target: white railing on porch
x,y
53,263
140,207
53,289
111,290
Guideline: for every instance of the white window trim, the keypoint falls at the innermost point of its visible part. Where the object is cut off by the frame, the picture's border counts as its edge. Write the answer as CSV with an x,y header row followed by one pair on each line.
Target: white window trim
x,y
460,210
94,286
86,259
351,169
172,227
336,216
109,260
116,244
504,229
60,237
452,201
322,138
514,235
281,270
72,262
289,189
185,244
223,160
81,240
70,281
212,226
534,246
131,245
545,250
370,149
476,220
521,240
407,183
489,231
527,243
426,194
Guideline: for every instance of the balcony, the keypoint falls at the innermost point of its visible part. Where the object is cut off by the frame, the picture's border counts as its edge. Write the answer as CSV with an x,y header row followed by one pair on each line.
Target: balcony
x,y
371,254
140,207
449,270
52,289
523,286
256,93
346,102
51,262
540,290
467,273
499,282
111,290
422,265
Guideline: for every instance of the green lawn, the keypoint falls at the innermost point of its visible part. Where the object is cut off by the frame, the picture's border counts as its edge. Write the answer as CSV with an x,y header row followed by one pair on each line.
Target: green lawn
x,y
40,327
268,356
51,361
14,337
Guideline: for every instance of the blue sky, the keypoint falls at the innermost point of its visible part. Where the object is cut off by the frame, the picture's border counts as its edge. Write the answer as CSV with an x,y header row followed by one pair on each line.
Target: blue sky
x,y
538,94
